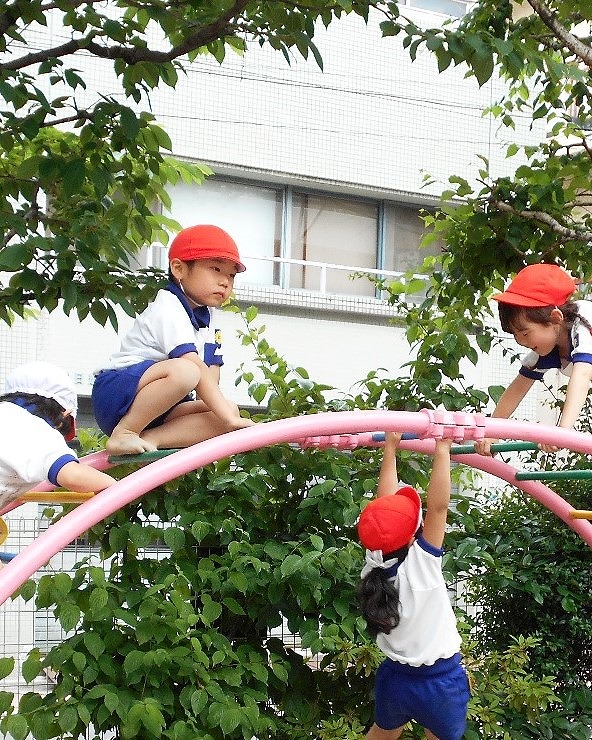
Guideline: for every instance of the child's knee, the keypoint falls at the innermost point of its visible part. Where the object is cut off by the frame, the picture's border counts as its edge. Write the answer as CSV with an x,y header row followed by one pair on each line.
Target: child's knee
x,y
184,372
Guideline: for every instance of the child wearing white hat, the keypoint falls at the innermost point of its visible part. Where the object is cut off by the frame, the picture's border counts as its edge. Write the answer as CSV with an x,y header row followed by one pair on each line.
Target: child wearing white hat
x,y
38,412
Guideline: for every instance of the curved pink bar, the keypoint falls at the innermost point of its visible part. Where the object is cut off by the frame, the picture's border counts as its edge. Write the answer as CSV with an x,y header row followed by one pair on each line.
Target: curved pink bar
x,y
542,433
87,514
537,489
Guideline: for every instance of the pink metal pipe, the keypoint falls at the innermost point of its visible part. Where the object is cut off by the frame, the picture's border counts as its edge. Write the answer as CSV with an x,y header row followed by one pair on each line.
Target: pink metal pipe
x,y
124,491
87,514
537,489
541,433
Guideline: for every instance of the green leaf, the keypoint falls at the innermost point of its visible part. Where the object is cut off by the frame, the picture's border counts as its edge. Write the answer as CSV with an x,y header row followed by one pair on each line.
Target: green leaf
x,y
79,661
211,610
134,662
69,616
94,643
16,726
6,666
68,718
250,313
98,599
130,123
32,667
153,719
291,565
317,542
73,173
14,256
174,538
483,66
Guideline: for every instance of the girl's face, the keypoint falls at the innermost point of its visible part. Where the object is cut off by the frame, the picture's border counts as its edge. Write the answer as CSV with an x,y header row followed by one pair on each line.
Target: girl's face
x,y
206,282
541,338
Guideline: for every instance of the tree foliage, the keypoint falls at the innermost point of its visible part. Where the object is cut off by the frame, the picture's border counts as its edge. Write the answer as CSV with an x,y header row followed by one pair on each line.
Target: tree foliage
x,y
542,212
81,183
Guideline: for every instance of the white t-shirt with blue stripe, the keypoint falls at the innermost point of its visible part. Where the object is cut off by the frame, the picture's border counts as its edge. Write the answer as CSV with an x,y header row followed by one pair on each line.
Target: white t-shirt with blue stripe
x,y
164,331
427,628
31,452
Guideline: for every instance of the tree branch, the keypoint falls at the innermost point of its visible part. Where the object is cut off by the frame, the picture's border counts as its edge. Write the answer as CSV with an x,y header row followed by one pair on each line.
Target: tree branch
x,y
220,28
572,42
544,218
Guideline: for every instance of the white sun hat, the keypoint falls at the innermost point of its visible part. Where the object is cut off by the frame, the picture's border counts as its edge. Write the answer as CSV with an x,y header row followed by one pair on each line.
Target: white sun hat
x,y
45,380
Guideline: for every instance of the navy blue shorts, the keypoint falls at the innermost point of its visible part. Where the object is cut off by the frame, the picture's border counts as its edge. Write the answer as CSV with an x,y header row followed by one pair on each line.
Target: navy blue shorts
x,y
435,696
113,393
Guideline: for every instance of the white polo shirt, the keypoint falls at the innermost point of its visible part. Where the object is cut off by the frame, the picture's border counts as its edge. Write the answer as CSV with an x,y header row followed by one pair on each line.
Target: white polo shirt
x,y
31,451
427,628
164,331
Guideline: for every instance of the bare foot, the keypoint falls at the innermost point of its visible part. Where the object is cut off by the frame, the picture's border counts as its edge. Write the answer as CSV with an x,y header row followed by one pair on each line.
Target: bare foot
x,y
125,442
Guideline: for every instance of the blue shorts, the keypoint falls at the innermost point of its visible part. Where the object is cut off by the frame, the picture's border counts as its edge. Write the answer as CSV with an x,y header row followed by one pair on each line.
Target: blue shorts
x,y
114,392
435,696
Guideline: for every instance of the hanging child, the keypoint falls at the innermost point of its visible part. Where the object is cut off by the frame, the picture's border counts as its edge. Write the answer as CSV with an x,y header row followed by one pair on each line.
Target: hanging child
x,y
405,602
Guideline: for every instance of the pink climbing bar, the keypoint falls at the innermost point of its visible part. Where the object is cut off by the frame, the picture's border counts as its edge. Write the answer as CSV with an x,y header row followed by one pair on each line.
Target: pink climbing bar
x,y
86,515
455,425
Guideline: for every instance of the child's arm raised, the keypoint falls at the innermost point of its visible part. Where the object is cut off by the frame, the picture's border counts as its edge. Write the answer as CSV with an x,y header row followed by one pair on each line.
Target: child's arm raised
x,y
388,480
508,403
438,496
575,396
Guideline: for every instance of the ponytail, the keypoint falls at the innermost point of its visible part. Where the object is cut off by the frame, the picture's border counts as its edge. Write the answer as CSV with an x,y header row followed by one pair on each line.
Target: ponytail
x,y
378,596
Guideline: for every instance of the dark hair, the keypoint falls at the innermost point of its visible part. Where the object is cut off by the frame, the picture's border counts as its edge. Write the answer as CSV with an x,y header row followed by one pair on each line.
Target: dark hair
x,y
511,317
46,408
378,597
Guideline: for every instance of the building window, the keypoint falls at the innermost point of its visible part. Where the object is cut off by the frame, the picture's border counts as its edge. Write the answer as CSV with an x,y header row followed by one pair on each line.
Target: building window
x,y
404,229
333,230
452,8
250,213
304,240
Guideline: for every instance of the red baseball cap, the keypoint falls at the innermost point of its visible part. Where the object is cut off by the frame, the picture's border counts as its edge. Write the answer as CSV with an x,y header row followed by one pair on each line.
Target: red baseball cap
x,y
538,285
205,242
389,522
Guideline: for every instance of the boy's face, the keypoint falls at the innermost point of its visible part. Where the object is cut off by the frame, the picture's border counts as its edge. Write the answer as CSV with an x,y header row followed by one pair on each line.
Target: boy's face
x,y
206,282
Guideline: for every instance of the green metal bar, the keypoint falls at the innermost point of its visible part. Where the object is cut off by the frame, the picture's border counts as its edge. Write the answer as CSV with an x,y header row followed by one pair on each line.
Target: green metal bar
x,y
554,475
468,449
495,447
143,457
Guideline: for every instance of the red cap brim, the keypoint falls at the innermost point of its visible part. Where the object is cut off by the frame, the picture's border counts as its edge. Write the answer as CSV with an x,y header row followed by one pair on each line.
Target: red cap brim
x,y
514,299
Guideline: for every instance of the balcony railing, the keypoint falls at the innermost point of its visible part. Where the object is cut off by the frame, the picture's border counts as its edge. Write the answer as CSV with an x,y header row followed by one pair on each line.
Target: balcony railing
x,y
280,272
